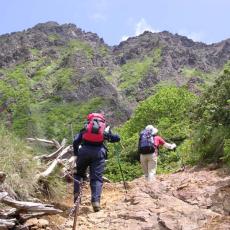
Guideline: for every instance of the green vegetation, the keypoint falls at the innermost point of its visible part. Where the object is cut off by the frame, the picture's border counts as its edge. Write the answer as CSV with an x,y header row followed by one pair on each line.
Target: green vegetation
x,y
77,45
199,126
34,51
131,73
45,70
134,71
16,160
16,92
208,78
26,86
210,140
168,110
156,56
103,50
53,37
61,79
35,91
53,119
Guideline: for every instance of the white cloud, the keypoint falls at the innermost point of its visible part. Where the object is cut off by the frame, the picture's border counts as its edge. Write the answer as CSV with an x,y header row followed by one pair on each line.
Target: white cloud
x,y
143,26
140,27
124,38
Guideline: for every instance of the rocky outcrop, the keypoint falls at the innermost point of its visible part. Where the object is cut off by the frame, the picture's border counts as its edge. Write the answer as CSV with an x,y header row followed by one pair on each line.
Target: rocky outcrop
x,y
193,199
15,47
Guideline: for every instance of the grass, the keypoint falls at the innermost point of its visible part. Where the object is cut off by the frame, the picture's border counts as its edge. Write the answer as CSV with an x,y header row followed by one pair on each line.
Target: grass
x,y
132,72
209,78
53,37
77,45
16,161
34,51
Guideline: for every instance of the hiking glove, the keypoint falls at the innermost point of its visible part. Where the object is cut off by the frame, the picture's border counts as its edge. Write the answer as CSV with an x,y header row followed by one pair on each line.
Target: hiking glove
x,y
107,130
173,146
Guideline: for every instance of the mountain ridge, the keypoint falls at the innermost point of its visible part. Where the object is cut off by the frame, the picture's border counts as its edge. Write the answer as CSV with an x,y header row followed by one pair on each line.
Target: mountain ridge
x,y
73,66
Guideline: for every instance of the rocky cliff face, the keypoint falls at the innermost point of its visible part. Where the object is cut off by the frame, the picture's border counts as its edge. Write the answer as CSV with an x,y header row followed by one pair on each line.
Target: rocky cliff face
x,y
177,55
64,61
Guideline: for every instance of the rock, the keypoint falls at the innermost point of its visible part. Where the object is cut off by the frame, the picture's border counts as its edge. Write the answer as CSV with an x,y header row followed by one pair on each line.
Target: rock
x,y
42,223
187,200
31,222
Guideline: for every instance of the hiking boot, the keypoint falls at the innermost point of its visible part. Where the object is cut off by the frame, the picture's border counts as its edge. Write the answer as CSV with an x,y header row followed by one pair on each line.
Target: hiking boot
x,y
96,206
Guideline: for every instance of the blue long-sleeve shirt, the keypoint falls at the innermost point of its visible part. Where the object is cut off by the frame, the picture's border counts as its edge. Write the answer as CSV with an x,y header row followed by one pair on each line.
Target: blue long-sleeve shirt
x,y
78,140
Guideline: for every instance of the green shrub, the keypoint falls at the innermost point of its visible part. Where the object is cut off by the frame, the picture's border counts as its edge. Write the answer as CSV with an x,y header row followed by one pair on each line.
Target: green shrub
x,y
212,126
167,110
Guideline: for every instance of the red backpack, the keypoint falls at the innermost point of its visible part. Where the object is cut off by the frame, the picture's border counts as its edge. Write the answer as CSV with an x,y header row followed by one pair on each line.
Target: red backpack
x,y
94,129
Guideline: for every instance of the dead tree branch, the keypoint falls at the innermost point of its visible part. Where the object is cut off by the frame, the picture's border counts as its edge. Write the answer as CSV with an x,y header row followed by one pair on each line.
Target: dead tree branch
x,y
25,207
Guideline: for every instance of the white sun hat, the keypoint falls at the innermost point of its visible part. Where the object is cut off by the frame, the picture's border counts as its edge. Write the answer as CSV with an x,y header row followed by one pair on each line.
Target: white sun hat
x,y
152,129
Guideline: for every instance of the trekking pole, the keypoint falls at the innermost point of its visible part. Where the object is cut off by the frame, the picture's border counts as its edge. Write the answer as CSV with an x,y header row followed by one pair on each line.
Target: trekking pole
x,y
117,150
77,204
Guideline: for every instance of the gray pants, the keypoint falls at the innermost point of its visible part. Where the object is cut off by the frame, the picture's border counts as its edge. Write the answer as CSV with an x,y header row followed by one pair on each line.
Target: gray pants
x,y
149,165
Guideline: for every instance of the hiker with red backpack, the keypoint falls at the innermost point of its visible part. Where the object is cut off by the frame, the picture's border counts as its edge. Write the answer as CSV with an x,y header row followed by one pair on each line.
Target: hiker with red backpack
x,y
148,145
89,148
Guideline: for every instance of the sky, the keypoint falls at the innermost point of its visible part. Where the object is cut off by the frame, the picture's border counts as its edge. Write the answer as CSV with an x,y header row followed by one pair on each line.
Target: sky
x,y
116,20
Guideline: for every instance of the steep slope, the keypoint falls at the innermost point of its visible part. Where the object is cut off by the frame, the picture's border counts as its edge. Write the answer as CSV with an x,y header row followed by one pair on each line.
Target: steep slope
x,y
56,67
173,59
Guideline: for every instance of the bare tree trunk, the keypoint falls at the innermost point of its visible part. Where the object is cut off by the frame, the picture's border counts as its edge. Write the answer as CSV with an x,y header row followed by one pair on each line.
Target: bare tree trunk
x,y
7,223
24,207
53,165
51,143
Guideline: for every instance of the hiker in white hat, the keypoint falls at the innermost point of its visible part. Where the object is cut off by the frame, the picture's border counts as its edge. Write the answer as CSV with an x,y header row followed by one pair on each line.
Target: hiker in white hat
x,y
149,142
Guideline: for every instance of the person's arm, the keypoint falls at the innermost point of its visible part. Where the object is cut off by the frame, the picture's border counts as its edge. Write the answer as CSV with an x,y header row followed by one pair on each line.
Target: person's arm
x,y
77,141
114,138
162,142
169,146
110,137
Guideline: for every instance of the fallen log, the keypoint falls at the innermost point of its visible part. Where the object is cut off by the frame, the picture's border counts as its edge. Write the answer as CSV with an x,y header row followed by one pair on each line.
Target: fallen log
x,y
49,170
25,217
64,152
63,143
7,223
54,154
50,156
53,165
44,141
25,207
57,144
2,195
7,214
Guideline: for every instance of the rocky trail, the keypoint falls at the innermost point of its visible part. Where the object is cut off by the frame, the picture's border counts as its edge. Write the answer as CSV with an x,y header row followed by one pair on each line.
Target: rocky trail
x,y
188,200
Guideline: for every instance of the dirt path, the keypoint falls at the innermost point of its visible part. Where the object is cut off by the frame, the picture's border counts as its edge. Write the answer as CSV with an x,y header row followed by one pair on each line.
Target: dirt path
x,y
112,193
189,200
